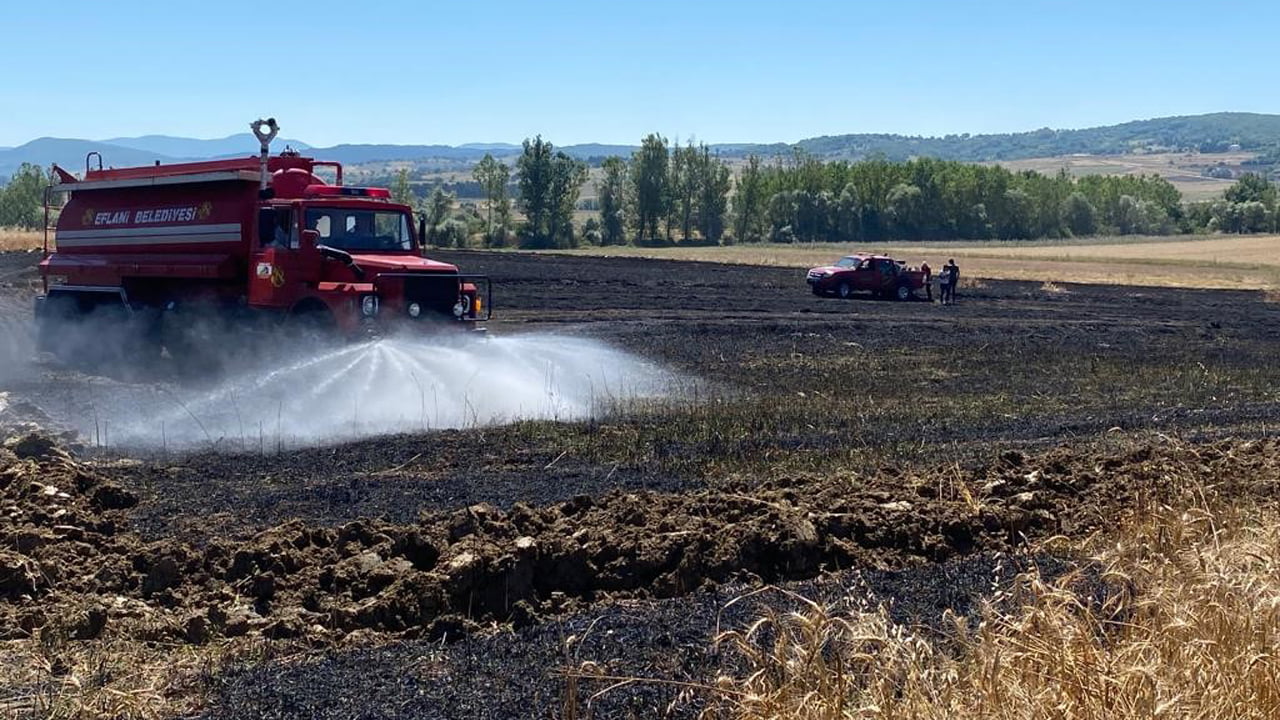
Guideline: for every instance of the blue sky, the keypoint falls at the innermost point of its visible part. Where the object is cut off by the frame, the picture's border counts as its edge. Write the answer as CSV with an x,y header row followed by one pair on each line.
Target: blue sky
x,y
601,71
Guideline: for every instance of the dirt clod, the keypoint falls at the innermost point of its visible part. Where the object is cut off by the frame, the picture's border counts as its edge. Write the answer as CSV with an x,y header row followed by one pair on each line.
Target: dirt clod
x,y
446,571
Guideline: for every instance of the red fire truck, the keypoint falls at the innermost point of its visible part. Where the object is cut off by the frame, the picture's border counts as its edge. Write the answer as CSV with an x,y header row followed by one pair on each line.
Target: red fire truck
x,y
177,256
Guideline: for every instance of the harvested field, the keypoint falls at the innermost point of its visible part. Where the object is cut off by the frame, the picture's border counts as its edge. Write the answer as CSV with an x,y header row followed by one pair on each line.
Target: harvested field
x,y
857,452
1232,262
11,239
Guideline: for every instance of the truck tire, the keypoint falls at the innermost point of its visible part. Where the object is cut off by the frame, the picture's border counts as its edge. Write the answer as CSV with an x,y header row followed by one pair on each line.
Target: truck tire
x,y
194,338
310,327
844,291
903,293
93,333
53,325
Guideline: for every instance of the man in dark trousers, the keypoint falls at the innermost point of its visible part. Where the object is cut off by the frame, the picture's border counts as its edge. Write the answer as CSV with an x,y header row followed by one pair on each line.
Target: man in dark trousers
x,y
952,274
928,278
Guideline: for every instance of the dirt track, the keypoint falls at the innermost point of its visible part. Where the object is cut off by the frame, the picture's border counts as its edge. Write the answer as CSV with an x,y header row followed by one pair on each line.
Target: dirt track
x,y
845,435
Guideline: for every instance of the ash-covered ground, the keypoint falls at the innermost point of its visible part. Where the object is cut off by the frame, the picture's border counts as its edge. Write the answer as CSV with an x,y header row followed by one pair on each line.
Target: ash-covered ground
x,y
836,448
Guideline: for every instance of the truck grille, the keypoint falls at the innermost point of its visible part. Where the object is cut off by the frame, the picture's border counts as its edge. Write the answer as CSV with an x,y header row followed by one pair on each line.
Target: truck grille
x,y
435,293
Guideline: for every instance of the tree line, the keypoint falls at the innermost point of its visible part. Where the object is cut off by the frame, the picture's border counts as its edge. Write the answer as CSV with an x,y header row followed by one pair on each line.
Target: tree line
x,y
803,199
661,193
665,194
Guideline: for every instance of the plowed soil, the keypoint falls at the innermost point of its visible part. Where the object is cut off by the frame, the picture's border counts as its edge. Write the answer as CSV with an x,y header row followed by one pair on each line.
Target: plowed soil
x,y
893,452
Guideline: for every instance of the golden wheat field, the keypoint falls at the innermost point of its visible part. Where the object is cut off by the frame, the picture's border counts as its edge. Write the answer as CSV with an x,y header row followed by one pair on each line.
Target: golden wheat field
x,y
1186,632
20,239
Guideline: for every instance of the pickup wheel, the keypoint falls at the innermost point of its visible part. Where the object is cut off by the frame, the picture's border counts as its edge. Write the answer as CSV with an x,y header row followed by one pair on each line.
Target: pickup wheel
x,y
844,291
903,292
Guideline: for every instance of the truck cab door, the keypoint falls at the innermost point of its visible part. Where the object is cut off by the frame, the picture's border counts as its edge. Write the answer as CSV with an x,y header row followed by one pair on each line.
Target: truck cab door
x,y
864,277
277,264
886,274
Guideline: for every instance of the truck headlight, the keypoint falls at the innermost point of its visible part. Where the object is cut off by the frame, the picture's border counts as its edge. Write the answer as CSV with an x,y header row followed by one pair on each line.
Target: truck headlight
x,y
415,310
369,305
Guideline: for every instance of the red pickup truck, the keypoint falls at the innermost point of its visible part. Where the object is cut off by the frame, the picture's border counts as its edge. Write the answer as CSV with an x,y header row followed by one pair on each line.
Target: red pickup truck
x,y
880,274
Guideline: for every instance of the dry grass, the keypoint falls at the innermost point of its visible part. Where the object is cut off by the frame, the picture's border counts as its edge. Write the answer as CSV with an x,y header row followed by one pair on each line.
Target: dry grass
x,y
52,677
1186,626
120,675
1233,262
11,239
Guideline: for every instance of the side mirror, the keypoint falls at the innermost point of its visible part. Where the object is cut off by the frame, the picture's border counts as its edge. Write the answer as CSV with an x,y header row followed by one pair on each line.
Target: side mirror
x,y
422,230
343,257
310,238
266,226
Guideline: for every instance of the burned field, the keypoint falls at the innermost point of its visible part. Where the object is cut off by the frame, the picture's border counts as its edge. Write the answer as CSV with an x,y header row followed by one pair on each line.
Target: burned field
x,y
855,451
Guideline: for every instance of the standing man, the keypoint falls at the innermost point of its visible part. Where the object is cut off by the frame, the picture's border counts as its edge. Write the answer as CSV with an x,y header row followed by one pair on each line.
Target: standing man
x,y
953,279
928,278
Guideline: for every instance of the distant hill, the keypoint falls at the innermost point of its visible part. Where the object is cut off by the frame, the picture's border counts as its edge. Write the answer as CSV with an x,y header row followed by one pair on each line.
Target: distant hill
x,y
70,154
596,150
181,147
1216,132
355,154
488,147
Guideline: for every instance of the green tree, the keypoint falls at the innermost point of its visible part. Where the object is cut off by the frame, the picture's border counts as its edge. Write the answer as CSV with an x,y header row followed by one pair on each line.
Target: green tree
x,y
684,187
1254,217
22,199
650,189
591,232
848,219
906,211
1019,215
748,203
567,177
439,206
612,194
401,192
1252,188
493,177
1129,218
713,195
550,183
533,176
1078,215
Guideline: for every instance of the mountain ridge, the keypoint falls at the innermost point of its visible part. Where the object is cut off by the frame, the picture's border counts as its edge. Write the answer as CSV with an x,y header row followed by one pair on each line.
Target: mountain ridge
x,y
1212,132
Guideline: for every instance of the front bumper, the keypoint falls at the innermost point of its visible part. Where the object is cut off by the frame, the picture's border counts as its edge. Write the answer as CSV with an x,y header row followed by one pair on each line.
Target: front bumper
x,y
819,281
412,302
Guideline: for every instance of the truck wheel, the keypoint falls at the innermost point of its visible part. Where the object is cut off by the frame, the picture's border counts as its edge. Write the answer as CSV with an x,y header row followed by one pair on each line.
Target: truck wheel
x,y
311,327
844,291
54,327
903,293
194,339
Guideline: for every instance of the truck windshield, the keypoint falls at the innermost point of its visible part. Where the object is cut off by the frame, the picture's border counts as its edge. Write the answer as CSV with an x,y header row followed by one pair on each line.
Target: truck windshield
x,y
847,262
354,230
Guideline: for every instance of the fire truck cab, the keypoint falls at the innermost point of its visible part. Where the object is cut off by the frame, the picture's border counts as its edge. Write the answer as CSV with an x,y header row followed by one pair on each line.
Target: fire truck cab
x,y
156,256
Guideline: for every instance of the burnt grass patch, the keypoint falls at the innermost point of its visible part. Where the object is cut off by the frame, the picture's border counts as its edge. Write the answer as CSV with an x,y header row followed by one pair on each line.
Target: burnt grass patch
x,y
777,381
904,452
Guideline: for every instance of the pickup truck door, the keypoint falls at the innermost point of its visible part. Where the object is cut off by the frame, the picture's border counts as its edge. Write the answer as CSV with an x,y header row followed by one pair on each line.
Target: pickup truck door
x,y
864,276
886,274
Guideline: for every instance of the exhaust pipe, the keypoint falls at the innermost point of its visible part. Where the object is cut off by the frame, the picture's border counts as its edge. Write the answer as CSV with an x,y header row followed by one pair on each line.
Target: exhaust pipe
x,y
265,136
